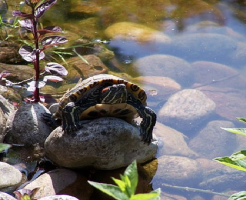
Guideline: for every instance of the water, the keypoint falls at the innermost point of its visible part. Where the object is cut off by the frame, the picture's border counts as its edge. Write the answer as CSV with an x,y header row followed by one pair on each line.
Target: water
x,y
200,45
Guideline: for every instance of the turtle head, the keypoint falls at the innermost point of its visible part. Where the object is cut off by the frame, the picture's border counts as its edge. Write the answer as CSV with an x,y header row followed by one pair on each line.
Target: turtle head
x,y
114,94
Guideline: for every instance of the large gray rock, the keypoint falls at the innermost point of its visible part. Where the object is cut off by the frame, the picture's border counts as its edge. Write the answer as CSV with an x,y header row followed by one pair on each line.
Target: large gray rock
x,y
165,66
186,109
26,127
10,176
104,143
212,141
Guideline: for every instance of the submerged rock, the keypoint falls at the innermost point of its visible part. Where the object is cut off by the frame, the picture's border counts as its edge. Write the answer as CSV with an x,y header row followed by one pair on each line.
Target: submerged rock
x,y
165,66
25,126
173,142
186,109
212,141
177,170
104,143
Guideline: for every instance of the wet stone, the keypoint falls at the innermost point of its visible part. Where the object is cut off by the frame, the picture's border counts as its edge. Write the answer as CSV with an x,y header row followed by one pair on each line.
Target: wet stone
x,y
61,181
25,126
173,142
201,46
212,141
6,196
104,143
217,75
10,176
225,99
9,52
178,170
165,66
186,109
78,68
156,87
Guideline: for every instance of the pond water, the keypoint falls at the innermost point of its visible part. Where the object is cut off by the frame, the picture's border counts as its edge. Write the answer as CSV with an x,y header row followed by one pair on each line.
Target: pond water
x,y
190,57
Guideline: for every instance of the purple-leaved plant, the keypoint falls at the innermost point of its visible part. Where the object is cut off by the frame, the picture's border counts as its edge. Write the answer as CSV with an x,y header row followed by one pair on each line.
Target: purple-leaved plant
x,y
41,42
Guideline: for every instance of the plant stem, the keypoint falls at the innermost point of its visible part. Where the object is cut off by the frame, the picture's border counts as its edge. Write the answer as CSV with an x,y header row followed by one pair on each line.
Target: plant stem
x,y
36,61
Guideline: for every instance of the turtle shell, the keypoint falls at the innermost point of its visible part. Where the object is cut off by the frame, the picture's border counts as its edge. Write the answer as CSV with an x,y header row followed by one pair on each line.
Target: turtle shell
x,y
122,110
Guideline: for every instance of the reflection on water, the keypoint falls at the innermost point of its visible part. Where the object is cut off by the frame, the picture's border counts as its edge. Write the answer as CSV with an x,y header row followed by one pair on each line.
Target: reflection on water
x,y
190,56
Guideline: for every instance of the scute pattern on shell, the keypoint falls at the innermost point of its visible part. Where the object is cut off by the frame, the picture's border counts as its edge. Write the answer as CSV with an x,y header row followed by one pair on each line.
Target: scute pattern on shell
x,y
81,88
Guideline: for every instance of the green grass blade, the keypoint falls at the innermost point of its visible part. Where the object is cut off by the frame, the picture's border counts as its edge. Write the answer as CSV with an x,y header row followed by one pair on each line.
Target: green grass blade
x,y
110,190
241,131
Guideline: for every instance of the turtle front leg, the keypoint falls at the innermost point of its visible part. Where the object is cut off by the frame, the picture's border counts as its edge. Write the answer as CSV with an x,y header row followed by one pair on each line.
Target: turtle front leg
x,y
148,118
71,117
148,122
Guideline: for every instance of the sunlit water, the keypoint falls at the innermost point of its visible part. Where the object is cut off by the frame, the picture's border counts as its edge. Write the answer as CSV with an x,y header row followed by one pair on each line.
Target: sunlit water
x,y
194,31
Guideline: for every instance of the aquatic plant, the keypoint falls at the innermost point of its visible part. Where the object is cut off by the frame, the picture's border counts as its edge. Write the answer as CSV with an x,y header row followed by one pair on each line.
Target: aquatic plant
x,y
40,43
236,160
126,186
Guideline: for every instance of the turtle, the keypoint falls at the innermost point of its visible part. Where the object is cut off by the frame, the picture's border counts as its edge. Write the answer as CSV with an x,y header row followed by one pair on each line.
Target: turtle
x,y
103,95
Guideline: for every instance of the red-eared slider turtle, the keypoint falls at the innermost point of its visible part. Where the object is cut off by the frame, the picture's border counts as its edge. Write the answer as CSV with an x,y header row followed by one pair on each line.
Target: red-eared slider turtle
x,y
104,95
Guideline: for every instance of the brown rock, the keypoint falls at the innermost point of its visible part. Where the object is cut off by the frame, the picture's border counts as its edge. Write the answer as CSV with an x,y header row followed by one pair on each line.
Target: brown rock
x,y
157,87
213,142
173,142
217,75
9,52
79,69
61,181
177,170
230,103
186,109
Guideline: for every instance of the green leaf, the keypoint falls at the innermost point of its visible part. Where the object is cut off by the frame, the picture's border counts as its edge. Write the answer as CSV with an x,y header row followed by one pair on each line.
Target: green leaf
x,y
120,183
110,190
132,174
154,195
238,196
4,146
241,119
241,131
236,160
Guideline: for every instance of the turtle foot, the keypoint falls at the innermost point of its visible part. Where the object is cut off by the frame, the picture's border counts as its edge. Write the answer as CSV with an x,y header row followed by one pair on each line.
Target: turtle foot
x,y
49,120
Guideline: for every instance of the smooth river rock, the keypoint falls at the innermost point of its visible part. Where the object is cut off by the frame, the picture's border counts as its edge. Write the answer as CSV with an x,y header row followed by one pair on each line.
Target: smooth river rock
x,y
178,170
25,126
165,66
10,176
61,181
104,143
212,141
173,142
186,109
